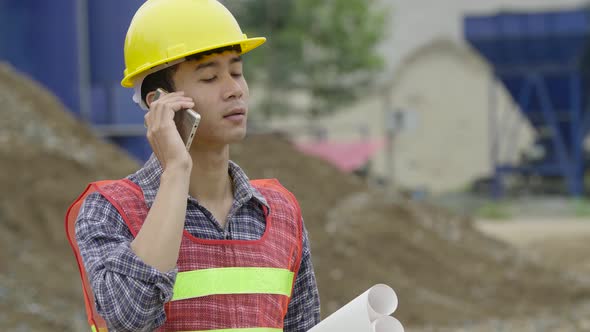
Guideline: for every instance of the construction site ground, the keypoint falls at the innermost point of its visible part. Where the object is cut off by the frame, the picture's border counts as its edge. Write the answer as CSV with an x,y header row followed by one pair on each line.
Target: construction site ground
x,y
560,242
450,272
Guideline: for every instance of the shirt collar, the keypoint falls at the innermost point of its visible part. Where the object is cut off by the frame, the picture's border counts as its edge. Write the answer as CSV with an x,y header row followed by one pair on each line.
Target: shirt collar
x,y
148,179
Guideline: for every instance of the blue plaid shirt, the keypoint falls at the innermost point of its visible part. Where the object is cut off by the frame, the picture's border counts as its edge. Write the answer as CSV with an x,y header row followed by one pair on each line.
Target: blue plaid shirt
x,y
130,294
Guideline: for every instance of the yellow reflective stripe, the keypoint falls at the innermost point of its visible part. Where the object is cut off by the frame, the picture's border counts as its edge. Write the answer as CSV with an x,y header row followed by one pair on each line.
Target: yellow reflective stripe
x,y
93,328
254,329
232,280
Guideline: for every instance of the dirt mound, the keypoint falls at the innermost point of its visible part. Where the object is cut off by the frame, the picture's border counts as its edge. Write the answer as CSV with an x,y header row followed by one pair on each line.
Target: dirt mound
x,y
46,157
443,270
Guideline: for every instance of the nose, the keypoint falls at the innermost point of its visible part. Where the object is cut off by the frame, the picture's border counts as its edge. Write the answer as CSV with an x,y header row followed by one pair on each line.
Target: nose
x,y
233,88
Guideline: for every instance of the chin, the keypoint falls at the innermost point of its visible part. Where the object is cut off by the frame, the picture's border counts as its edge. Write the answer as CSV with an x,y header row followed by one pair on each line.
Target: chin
x,y
230,136
236,137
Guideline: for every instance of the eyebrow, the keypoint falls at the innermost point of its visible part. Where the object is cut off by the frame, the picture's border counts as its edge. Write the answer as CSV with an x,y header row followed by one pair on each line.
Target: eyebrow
x,y
216,63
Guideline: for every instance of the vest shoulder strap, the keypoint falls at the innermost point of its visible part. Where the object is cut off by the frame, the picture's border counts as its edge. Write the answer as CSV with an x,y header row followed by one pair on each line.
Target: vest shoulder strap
x,y
274,184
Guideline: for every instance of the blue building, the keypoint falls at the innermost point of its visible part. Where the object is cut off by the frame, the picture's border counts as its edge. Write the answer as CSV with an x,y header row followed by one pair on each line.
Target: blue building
x,y
542,60
75,49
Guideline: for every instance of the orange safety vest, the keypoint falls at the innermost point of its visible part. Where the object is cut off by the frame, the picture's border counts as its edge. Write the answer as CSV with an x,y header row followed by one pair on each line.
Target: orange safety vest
x,y
222,285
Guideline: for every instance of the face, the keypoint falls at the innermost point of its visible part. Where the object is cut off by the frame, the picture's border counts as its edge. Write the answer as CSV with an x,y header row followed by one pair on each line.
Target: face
x,y
217,85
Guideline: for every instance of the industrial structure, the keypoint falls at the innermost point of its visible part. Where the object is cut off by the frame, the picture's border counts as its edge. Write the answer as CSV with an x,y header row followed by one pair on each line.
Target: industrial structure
x,y
541,58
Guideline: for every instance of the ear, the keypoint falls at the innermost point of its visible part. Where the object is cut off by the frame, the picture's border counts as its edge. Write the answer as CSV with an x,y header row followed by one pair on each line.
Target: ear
x,y
149,98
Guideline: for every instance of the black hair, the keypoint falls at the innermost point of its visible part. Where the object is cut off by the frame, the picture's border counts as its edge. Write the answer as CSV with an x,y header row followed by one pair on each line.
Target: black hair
x,y
163,78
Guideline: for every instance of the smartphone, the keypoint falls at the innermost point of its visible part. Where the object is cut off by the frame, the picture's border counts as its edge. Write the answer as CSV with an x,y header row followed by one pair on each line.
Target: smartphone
x,y
186,120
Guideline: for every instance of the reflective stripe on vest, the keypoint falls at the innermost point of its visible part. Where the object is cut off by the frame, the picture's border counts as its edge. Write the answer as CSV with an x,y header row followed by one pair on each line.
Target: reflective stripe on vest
x,y
232,280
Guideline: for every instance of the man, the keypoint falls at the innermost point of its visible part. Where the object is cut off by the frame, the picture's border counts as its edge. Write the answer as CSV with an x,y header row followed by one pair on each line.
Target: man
x,y
188,243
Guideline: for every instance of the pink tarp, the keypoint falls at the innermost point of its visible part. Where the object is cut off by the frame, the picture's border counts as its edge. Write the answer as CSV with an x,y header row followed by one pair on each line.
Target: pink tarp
x,y
346,156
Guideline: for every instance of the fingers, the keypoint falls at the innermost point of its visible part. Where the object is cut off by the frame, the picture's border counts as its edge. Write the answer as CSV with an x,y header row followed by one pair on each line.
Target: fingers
x,y
175,100
161,130
174,103
161,111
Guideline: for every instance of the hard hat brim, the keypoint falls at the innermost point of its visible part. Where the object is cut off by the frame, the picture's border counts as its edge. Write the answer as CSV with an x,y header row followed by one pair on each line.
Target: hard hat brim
x,y
246,45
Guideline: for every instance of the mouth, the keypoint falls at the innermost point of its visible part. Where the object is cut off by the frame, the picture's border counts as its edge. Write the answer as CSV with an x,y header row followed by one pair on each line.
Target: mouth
x,y
235,114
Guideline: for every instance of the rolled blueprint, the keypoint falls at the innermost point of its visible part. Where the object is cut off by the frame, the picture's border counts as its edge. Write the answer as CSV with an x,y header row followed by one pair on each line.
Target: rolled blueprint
x,y
369,312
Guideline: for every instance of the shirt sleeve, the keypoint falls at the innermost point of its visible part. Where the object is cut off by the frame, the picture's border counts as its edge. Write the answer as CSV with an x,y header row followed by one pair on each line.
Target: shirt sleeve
x,y
129,294
303,312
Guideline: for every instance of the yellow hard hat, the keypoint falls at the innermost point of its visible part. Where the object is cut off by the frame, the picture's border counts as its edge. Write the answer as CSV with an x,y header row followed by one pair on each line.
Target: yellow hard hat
x,y
163,31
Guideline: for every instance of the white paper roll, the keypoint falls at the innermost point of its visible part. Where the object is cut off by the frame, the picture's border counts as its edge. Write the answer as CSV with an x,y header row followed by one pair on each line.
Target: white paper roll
x,y
369,312
387,324
382,301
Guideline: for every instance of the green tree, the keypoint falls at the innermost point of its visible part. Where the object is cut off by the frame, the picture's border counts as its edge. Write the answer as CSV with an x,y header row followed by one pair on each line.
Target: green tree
x,y
326,49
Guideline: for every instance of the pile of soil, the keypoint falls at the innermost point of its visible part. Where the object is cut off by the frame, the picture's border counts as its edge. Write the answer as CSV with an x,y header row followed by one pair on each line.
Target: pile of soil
x,y
443,270
46,158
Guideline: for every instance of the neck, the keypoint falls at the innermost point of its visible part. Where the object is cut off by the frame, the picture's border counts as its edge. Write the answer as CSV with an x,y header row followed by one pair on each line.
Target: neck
x,y
210,181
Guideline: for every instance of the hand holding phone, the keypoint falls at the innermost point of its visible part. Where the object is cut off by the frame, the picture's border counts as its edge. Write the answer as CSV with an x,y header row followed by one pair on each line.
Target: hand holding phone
x,y
186,120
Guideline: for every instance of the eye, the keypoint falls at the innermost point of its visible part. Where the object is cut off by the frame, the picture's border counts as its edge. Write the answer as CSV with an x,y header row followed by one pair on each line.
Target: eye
x,y
208,80
236,74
